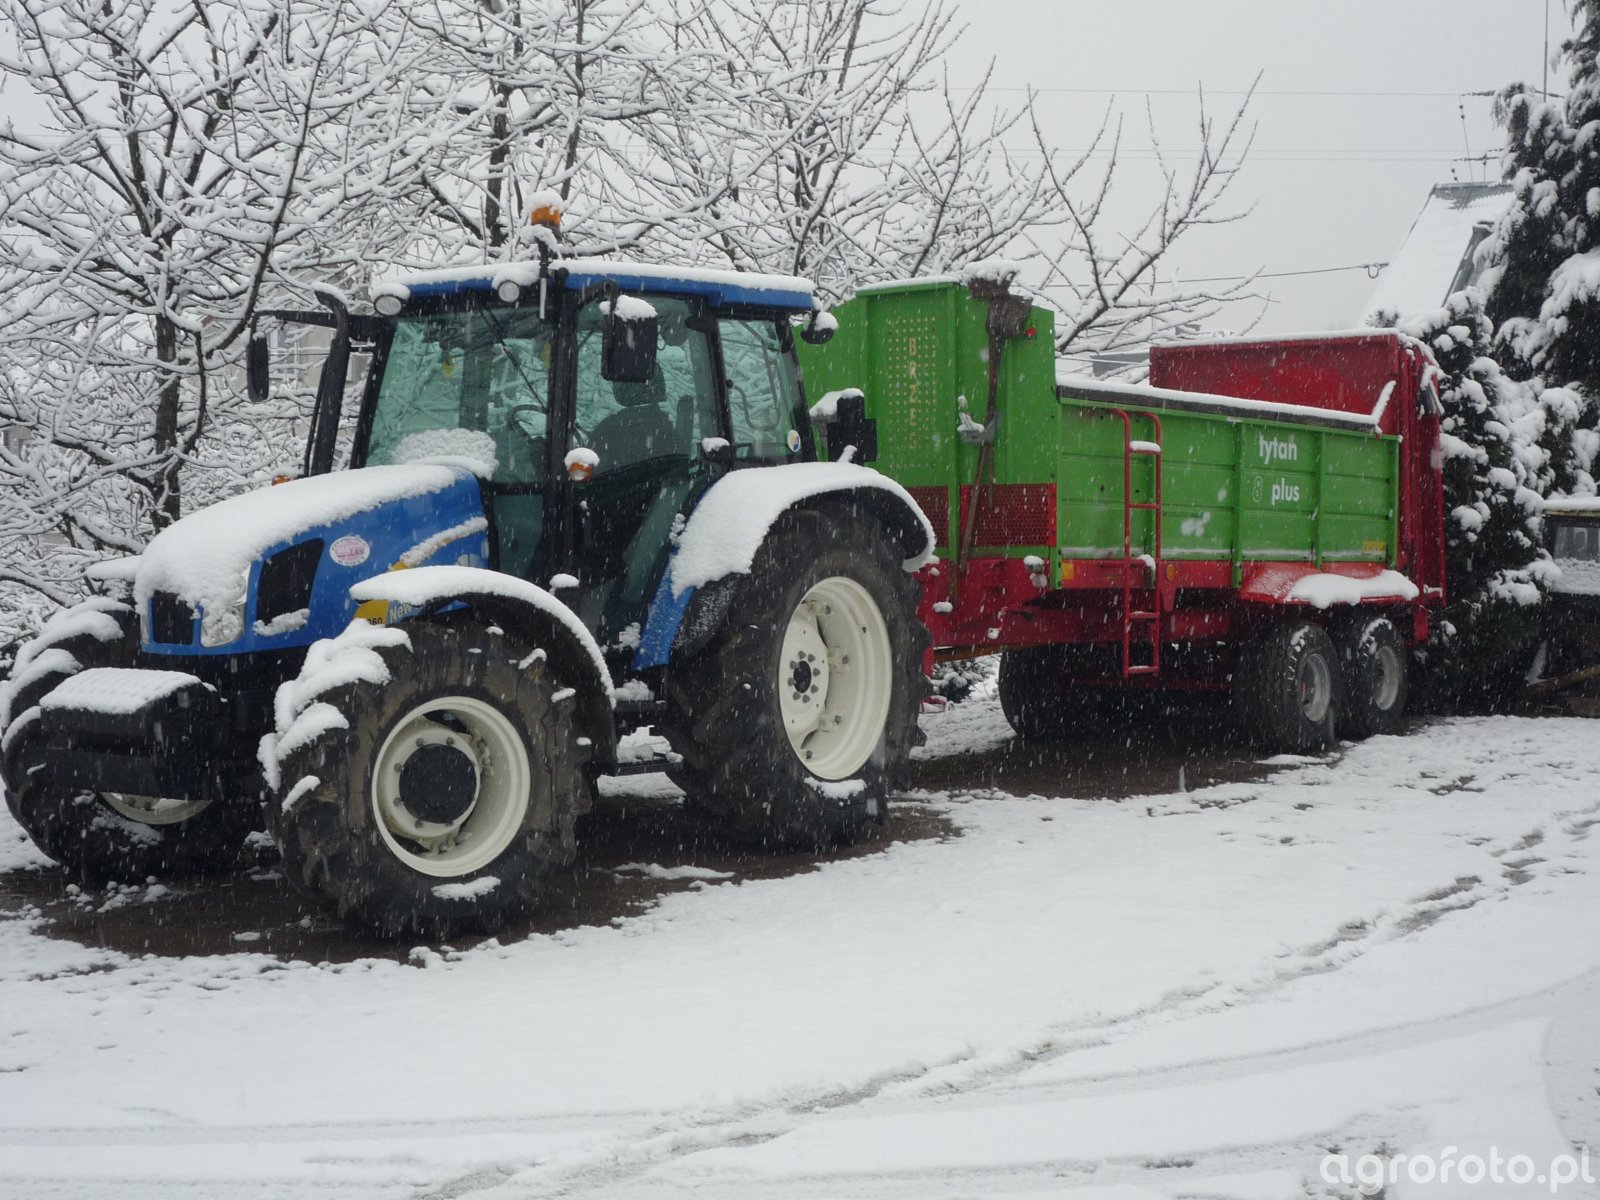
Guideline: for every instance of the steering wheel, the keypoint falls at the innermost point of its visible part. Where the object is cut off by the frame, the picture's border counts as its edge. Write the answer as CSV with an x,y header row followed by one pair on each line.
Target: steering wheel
x,y
523,419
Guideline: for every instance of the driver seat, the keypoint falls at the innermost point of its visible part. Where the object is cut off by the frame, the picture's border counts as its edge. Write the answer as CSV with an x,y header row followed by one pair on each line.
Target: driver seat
x,y
638,431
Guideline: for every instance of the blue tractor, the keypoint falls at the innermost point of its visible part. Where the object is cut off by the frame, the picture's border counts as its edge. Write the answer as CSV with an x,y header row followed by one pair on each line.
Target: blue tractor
x,y
584,497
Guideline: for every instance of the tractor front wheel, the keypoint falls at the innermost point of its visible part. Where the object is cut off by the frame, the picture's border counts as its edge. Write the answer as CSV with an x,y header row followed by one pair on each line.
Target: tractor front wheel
x,y
100,836
438,790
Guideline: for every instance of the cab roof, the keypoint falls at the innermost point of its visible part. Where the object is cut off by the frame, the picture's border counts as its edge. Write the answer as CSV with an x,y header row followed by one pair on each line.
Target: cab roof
x,y
722,288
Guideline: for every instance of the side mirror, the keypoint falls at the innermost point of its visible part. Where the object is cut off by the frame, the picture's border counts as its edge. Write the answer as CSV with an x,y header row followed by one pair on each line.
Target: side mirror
x,y
628,345
819,330
716,451
256,362
850,426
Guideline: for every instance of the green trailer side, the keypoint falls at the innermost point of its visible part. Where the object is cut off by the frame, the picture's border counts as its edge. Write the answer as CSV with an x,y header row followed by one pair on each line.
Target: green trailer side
x,y
1238,486
1234,488
919,351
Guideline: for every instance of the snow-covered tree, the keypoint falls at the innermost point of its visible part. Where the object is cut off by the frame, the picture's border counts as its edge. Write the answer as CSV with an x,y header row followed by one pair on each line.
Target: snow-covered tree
x,y
1543,280
1495,470
819,138
1103,275
200,157
185,157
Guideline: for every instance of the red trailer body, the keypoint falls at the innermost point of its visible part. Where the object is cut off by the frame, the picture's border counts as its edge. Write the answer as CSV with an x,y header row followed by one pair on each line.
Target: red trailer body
x,y
1074,628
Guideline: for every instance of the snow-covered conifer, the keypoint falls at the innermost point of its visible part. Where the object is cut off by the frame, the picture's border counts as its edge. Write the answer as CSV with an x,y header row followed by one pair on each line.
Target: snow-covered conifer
x,y
1494,472
1543,280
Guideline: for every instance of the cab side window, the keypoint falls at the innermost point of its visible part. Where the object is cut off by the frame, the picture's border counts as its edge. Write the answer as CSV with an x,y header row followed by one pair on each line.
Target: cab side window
x,y
629,424
762,390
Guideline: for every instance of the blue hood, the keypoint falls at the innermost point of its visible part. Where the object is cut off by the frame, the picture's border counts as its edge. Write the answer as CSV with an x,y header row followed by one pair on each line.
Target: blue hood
x,y
310,540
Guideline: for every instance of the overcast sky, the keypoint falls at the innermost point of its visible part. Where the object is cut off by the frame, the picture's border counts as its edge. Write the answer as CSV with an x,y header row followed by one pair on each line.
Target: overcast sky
x,y
1359,112
1336,177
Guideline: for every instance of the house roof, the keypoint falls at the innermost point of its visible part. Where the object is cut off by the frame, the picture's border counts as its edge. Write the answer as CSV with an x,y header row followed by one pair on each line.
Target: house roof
x,y
1435,259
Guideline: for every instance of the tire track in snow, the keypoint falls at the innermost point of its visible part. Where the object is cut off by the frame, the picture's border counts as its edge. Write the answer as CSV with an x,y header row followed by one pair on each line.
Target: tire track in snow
x,y
999,1077
1348,943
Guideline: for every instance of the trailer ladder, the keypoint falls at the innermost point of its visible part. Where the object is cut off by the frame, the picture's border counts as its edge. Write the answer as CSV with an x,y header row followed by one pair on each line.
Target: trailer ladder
x,y
1133,618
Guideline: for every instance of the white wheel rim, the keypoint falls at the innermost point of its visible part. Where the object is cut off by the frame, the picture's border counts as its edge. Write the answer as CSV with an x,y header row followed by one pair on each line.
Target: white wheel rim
x,y
1387,669
502,774
152,810
835,678
1314,688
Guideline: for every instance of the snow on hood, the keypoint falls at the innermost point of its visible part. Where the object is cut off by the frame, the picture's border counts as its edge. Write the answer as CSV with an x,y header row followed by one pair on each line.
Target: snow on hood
x,y
204,557
731,521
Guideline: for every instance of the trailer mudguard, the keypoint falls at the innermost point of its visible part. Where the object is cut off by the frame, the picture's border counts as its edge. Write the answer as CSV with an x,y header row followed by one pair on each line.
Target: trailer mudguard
x,y
728,526
525,611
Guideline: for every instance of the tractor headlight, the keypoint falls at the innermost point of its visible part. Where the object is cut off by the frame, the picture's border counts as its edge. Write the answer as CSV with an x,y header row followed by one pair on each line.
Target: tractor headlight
x,y
221,624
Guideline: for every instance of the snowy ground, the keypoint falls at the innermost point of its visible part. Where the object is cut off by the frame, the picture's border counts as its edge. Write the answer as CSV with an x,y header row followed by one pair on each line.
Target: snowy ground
x,y
1195,993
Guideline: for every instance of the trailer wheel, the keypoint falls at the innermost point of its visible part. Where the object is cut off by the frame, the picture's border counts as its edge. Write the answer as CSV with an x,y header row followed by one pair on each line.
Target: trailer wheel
x,y
450,794
794,723
1288,689
1032,695
102,836
1373,660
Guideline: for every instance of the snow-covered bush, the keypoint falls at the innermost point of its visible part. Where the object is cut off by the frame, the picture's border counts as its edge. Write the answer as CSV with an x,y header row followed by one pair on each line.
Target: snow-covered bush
x,y
955,681
1495,469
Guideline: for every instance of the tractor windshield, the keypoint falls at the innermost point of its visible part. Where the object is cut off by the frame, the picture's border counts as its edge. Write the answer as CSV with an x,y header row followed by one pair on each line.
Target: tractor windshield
x,y
483,370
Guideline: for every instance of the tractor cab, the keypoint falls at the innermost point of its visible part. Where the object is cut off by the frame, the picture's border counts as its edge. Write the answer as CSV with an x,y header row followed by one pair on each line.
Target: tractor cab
x,y
608,397
594,400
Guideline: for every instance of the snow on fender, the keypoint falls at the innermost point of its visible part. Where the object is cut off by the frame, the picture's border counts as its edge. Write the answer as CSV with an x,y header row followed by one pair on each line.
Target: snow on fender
x,y
732,520
423,586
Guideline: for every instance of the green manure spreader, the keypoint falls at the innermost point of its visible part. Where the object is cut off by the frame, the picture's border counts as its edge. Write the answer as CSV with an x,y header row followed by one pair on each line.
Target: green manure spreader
x,y
1265,518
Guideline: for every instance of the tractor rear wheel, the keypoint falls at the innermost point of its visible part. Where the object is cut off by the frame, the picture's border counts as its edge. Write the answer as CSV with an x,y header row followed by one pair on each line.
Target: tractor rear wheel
x,y
102,836
437,791
1375,665
1287,687
797,720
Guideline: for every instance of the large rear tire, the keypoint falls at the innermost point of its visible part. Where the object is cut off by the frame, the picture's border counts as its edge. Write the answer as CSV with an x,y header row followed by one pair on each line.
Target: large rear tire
x,y
1287,688
102,836
437,791
800,716
1375,666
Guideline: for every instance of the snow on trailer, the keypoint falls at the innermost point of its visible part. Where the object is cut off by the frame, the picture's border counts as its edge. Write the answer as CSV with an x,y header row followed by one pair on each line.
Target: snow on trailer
x,y
1240,524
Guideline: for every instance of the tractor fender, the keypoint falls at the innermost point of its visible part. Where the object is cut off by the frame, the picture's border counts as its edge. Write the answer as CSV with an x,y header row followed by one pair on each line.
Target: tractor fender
x,y
525,611
718,545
